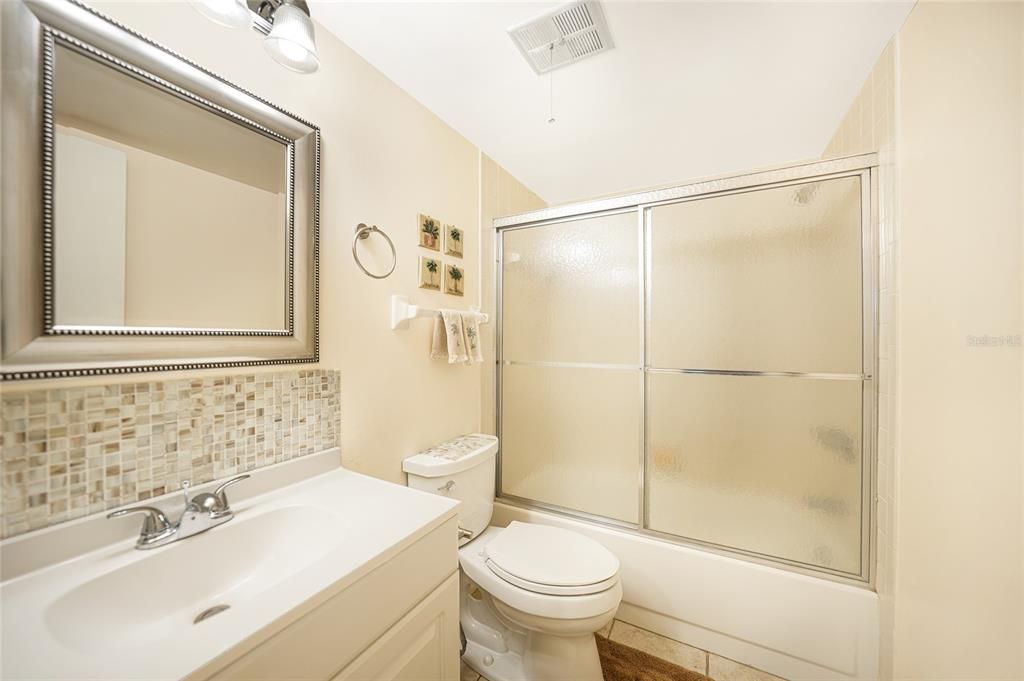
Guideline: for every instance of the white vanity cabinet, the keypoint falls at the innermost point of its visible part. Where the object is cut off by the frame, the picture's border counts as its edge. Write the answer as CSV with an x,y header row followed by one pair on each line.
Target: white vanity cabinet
x,y
328,575
400,622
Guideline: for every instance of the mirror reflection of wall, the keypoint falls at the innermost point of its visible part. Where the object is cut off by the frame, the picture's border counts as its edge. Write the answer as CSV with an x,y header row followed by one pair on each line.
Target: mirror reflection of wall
x,y
166,214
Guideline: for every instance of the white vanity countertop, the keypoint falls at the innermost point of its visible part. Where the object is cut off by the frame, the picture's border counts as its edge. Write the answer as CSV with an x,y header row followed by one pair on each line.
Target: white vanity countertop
x,y
118,612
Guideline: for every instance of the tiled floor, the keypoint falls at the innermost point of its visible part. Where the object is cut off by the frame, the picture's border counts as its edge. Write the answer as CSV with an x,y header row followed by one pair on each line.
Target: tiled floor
x,y
467,674
713,666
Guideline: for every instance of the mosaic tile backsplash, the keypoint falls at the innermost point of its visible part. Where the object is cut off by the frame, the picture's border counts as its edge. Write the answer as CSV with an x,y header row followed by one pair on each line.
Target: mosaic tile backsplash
x,y
70,452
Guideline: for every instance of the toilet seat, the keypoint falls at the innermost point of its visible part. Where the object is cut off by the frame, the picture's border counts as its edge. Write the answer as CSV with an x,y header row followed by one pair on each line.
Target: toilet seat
x,y
551,560
551,589
473,558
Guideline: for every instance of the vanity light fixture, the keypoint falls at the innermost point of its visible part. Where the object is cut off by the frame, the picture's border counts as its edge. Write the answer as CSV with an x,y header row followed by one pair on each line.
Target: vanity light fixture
x,y
291,41
287,24
230,13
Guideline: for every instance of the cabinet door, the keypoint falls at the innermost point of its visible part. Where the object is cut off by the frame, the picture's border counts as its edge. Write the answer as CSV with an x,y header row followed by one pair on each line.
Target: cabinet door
x,y
422,646
332,635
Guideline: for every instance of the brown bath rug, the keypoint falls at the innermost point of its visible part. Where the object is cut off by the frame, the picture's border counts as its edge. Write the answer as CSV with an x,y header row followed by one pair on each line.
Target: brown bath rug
x,y
622,663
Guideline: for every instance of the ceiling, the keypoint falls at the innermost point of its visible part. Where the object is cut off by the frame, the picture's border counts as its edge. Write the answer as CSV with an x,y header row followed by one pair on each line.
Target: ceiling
x,y
691,89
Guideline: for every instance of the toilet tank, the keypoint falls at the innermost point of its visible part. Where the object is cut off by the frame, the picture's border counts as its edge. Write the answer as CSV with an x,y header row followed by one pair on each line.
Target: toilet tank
x,y
462,469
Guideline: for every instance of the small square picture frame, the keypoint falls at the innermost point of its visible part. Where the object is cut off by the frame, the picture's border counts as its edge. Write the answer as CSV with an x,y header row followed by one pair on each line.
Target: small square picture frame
x,y
429,231
454,241
454,280
430,273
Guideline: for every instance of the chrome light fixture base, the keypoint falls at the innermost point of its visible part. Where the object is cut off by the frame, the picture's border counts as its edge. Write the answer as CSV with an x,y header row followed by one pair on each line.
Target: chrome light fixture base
x,y
265,8
287,24
291,39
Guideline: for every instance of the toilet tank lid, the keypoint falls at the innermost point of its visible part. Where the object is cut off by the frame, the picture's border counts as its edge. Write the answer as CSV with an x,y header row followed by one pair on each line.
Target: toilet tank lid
x,y
453,456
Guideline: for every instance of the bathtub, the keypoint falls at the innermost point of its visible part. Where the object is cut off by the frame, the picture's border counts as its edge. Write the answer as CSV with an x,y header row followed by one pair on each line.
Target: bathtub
x,y
795,626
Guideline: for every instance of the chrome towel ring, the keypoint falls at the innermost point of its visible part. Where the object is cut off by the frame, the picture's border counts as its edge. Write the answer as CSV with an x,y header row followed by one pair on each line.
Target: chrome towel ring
x,y
363,232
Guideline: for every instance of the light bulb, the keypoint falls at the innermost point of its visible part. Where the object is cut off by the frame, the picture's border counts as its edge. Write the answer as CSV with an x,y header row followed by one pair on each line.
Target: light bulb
x,y
291,41
230,13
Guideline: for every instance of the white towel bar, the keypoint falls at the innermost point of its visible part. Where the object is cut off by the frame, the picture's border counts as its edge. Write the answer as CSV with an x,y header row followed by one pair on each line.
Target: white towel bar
x,y
402,312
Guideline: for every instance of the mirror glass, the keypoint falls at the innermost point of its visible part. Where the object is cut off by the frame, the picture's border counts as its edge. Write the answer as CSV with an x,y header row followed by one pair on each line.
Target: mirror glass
x,y
167,214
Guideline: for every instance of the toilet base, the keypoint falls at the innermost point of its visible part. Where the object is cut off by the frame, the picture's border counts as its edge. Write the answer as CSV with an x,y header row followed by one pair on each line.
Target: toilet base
x,y
501,651
553,659
507,666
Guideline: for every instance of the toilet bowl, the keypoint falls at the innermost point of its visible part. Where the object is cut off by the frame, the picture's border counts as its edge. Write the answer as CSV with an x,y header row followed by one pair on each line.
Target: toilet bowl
x,y
543,620
532,596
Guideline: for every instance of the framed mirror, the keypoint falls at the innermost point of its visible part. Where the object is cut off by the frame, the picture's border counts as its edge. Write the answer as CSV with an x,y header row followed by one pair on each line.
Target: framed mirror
x,y
155,216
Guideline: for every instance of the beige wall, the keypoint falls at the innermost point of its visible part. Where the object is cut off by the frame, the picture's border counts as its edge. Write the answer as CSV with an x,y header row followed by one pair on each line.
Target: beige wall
x,y
959,535
385,159
944,107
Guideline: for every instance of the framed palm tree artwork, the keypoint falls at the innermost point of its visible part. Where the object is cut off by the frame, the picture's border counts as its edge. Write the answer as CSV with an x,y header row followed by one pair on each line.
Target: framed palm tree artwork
x,y
430,232
453,241
430,273
454,280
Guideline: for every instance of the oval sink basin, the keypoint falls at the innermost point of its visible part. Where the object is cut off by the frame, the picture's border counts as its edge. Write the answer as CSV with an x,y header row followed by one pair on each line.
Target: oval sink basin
x,y
161,594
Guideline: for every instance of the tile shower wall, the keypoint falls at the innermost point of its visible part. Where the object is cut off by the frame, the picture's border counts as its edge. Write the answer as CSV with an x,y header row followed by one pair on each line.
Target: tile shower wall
x,y
66,453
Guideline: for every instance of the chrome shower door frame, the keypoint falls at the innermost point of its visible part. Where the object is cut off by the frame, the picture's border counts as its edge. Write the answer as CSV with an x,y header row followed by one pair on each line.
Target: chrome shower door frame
x,y
865,167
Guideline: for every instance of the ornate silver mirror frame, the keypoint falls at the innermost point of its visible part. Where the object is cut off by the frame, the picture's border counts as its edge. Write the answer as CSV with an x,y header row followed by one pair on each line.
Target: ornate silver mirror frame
x,y
31,344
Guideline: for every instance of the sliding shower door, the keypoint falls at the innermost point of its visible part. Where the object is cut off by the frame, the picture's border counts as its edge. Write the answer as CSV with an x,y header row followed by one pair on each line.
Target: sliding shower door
x,y
699,366
755,364
571,385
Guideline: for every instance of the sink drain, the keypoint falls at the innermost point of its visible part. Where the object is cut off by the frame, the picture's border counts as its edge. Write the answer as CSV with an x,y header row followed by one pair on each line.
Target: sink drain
x,y
210,612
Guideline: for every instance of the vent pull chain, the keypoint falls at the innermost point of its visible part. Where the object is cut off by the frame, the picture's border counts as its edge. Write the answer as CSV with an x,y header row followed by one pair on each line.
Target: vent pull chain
x,y
551,84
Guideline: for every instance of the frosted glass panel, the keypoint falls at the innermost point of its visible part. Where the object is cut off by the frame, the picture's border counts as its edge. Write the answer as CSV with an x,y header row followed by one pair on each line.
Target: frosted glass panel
x,y
765,280
767,465
571,437
571,292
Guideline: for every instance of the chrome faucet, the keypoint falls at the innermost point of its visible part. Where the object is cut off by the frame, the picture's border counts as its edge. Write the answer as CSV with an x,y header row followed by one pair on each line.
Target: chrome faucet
x,y
203,511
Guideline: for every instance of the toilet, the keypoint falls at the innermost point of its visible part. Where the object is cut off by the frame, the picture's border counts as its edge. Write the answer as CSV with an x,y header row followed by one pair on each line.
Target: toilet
x,y
532,596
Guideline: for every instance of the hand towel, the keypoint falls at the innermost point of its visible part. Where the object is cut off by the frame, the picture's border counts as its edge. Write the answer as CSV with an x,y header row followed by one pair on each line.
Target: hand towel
x,y
439,342
471,326
456,336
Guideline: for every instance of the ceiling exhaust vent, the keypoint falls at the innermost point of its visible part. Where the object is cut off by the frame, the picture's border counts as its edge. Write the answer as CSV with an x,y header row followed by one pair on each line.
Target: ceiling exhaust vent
x,y
565,35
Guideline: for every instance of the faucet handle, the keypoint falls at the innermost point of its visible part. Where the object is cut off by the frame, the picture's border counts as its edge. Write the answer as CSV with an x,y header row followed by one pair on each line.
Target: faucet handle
x,y
154,525
222,497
